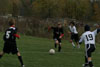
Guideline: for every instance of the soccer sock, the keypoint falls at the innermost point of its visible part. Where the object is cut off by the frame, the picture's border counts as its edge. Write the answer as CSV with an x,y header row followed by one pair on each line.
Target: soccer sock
x,y
55,45
59,49
20,59
86,60
0,56
73,44
78,45
90,64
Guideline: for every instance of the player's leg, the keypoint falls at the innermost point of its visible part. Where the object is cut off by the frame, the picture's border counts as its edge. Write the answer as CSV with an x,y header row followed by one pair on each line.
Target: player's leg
x,y
14,50
86,59
72,38
56,42
55,45
86,56
78,45
76,38
6,49
59,48
20,59
86,62
90,61
89,53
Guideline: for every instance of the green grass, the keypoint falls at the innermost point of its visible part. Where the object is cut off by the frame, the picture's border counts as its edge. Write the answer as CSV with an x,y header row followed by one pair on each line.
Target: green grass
x,y
35,54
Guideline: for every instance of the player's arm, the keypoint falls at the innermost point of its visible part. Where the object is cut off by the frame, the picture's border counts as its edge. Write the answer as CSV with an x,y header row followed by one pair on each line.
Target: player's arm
x,y
62,33
81,39
15,33
49,28
96,31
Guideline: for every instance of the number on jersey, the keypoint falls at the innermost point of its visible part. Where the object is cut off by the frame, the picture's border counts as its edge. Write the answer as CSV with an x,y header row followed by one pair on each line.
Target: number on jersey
x,y
8,34
89,37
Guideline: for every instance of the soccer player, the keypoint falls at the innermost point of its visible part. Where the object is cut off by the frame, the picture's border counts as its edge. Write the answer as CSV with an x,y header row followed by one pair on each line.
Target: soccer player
x,y
57,35
10,45
89,38
74,34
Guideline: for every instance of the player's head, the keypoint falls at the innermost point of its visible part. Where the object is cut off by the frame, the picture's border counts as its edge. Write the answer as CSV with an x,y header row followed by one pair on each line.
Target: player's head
x,y
59,25
87,28
72,23
11,22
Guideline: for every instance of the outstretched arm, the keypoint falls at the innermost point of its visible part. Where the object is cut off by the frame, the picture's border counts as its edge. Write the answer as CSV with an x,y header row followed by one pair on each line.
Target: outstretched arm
x,y
49,28
96,31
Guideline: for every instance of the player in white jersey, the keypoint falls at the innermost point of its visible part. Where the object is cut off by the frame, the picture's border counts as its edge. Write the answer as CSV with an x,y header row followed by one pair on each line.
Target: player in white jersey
x,y
74,34
89,38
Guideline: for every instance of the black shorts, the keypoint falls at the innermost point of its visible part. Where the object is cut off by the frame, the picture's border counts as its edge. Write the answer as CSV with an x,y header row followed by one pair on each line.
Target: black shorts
x,y
10,47
89,49
75,37
59,40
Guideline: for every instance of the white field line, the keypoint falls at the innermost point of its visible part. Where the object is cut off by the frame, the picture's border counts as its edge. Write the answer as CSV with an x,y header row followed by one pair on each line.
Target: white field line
x,y
60,52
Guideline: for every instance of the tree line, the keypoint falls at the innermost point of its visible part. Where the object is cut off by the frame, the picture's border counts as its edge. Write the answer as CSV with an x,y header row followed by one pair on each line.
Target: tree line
x,y
74,9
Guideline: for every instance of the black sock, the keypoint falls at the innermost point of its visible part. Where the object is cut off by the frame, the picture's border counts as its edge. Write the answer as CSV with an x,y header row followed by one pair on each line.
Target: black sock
x,y
20,59
59,49
90,64
55,45
0,56
86,60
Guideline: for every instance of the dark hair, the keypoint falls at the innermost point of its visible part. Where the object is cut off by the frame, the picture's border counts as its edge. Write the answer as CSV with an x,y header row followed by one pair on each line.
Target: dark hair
x,y
11,22
59,23
72,22
87,28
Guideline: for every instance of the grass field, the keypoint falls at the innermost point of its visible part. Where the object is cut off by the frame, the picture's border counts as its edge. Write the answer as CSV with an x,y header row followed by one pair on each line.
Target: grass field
x,y
35,54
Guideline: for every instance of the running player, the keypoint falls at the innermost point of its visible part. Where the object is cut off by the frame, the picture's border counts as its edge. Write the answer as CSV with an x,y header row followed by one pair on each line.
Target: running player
x,y
57,35
74,34
10,45
89,38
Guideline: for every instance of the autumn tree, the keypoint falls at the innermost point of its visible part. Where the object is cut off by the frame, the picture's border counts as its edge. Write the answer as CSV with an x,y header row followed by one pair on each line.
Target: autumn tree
x,y
96,15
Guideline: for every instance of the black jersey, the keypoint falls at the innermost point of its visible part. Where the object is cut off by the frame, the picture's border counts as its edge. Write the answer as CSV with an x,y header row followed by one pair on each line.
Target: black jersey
x,y
57,32
9,34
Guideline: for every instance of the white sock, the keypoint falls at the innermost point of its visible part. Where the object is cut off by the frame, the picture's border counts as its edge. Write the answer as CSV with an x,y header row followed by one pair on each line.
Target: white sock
x,y
73,44
78,45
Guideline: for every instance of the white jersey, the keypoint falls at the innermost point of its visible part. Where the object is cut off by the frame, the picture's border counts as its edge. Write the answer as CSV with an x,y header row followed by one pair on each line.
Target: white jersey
x,y
73,29
88,37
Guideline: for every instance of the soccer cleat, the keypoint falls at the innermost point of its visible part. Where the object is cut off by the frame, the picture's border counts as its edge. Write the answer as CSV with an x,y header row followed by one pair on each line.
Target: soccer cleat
x,y
85,65
73,46
23,66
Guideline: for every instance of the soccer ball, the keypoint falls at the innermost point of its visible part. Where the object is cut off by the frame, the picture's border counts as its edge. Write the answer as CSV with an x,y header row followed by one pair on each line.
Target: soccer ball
x,y
51,51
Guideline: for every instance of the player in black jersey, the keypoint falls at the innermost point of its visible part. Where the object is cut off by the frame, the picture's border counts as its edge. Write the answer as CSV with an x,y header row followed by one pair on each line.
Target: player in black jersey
x,y
10,45
57,35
